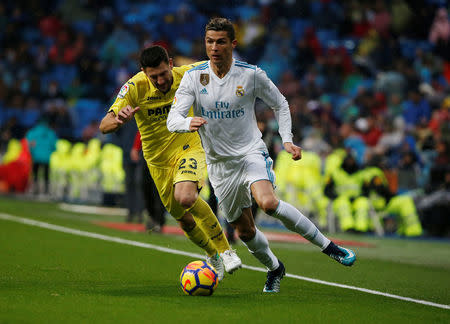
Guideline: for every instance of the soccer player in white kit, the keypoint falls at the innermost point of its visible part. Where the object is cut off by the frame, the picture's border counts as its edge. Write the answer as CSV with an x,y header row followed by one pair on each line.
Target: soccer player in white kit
x,y
222,92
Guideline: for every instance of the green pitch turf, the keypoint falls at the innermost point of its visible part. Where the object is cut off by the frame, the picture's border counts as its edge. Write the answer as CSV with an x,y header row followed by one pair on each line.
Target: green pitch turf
x,y
47,276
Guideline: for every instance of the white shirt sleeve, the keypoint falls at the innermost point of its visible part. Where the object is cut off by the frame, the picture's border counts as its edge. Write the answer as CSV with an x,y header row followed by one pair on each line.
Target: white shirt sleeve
x,y
177,120
269,93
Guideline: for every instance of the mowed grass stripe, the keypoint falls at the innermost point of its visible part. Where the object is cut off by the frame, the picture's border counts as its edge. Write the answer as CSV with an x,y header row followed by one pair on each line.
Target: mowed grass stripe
x,y
119,240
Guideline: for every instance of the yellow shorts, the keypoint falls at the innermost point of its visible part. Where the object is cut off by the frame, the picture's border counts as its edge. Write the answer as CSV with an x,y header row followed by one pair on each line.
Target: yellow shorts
x,y
190,165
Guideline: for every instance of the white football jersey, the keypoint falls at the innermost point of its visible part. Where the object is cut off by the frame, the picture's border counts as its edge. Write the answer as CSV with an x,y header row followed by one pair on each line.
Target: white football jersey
x,y
227,105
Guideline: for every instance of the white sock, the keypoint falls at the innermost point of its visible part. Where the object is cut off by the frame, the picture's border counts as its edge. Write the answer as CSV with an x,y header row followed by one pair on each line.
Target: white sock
x,y
295,221
259,247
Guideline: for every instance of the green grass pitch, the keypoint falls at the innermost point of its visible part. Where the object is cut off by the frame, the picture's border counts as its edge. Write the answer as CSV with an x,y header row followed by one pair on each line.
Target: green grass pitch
x,y
49,276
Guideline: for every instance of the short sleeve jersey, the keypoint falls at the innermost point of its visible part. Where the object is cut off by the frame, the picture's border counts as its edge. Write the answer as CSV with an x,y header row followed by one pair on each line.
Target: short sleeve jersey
x,y
160,147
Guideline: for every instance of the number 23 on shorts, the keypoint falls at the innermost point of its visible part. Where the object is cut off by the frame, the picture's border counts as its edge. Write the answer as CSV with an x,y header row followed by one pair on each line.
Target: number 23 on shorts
x,y
190,163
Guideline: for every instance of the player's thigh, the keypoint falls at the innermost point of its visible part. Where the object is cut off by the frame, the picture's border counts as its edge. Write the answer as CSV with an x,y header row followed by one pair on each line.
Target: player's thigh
x,y
230,188
264,194
190,167
259,166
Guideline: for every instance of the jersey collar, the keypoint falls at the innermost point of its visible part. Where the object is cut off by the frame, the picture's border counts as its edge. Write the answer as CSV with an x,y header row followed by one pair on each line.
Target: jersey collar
x,y
226,77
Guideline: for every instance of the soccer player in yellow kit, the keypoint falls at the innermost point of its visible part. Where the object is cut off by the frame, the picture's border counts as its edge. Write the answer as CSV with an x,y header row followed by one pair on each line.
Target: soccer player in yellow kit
x,y
176,161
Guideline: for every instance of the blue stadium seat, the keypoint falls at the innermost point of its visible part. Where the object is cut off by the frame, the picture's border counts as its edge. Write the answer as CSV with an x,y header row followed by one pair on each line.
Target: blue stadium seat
x,y
408,47
86,110
31,35
30,118
326,35
84,26
298,27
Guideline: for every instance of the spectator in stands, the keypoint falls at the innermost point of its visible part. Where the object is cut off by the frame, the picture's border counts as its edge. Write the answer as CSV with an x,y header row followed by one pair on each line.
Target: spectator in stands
x,y
115,55
416,109
9,130
440,34
42,142
353,142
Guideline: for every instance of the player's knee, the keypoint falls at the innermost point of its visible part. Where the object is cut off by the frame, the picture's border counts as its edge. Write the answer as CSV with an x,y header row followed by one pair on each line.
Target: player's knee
x,y
268,204
246,233
186,200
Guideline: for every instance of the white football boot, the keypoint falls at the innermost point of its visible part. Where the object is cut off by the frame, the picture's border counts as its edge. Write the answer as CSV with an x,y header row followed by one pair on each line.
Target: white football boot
x,y
231,261
216,262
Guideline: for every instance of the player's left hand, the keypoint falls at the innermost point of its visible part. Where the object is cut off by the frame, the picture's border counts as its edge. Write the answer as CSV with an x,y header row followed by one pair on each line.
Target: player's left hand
x,y
296,151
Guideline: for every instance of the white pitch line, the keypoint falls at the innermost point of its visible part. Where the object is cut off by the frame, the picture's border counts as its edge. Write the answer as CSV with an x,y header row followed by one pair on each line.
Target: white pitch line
x,y
73,231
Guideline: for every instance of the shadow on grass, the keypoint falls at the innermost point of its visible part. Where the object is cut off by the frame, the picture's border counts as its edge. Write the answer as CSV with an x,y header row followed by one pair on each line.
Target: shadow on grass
x,y
169,291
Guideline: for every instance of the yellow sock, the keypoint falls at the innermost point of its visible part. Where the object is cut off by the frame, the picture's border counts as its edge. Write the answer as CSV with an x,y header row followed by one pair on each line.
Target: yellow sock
x,y
200,239
208,222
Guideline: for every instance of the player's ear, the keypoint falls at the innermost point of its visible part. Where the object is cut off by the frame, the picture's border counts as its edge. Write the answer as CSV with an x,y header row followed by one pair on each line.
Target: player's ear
x,y
170,63
234,43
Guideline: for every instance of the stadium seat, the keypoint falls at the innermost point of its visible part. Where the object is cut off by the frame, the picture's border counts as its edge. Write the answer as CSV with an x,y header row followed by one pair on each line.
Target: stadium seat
x,y
83,26
325,36
298,27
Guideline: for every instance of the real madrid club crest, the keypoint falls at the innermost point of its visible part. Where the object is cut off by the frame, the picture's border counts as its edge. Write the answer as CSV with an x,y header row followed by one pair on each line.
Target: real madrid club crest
x,y
240,91
204,79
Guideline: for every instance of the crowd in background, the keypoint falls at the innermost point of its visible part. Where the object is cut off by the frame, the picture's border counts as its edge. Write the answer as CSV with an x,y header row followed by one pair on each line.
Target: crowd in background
x,y
370,76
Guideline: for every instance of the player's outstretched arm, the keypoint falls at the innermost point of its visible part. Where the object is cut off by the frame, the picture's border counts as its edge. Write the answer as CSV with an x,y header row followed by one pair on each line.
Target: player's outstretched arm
x,y
110,123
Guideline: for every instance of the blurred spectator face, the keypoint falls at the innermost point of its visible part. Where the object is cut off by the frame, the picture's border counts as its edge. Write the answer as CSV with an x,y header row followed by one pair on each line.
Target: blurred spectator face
x,y
160,76
349,164
395,99
219,47
345,130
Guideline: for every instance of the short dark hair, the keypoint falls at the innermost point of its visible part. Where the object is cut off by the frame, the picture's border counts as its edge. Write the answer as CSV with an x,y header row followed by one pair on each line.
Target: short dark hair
x,y
153,56
221,24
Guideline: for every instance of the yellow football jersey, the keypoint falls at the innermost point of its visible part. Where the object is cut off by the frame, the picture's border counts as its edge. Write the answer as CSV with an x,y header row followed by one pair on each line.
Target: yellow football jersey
x,y
160,147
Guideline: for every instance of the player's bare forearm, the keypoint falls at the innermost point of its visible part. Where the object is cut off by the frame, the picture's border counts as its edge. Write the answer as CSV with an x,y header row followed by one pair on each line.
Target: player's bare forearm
x,y
109,123
294,150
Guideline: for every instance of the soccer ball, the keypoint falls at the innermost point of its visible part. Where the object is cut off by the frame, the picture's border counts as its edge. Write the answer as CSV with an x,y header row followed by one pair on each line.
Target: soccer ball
x,y
198,278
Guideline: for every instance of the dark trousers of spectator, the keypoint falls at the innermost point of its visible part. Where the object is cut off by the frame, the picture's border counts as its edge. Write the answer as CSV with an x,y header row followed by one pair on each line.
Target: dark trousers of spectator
x,y
133,191
37,166
155,208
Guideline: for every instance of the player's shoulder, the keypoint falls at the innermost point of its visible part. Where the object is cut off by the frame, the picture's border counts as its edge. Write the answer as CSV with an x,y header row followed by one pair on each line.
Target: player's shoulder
x,y
138,83
138,78
244,65
183,68
201,66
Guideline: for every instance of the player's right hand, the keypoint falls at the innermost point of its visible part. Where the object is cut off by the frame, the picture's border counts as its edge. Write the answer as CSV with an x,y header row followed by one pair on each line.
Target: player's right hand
x,y
196,123
126,114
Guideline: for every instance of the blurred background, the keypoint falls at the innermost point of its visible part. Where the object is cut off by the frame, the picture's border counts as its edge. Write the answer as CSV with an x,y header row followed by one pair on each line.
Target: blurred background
x,y
368,83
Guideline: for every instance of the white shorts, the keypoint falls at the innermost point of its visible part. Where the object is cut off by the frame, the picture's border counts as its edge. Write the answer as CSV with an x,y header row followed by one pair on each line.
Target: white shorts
x,y
232,179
